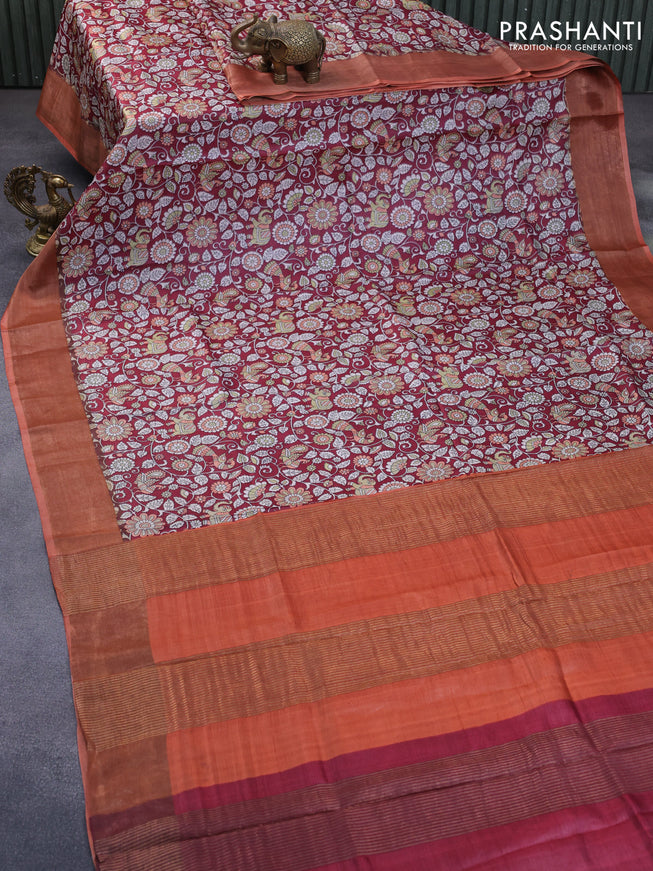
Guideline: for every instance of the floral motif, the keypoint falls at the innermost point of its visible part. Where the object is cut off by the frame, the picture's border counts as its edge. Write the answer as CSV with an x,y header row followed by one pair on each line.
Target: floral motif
x,y
549,182
143,524
322,214
77,261
315,302
438,201
113,429
434,470
201,232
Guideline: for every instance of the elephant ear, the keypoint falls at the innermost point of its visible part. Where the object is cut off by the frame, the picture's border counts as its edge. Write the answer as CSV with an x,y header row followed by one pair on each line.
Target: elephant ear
x,y
277,47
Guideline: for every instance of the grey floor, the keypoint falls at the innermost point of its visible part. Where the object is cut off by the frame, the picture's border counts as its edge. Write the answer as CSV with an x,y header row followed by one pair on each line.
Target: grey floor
x,y
42,825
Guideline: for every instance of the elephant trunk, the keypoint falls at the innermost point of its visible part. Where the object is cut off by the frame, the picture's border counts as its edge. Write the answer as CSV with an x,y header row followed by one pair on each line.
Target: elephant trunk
x,y
237,43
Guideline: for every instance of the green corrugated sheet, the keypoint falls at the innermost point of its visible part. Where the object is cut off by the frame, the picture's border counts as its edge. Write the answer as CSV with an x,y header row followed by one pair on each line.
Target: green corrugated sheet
x,y
27,29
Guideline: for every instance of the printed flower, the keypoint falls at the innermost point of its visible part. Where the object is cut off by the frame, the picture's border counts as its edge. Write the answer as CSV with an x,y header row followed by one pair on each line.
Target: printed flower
x,y
313,136
430,124
569,449
515,201
490,251
322,214
241,133
290,497
143,524
182,344
438,201
384,175
177,446
549,182
144,210
212,423
191,107
402,217
346,311
370,243
515,367
475,107
487,229
465,296
433,470
162,251
430,307
252,261
360,117
202,232
91,350
253,284
309,324
386,385
580,278
122,464
579,382
78,261
348,400
476,380
221,331
113,429
605,361
326,261
322,438
639,349
265,190
157,39
284,233
541,106
443,247
253,406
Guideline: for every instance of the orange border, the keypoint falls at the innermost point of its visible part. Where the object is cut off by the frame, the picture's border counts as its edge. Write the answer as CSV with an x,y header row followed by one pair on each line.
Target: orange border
x,y
60,111
599,157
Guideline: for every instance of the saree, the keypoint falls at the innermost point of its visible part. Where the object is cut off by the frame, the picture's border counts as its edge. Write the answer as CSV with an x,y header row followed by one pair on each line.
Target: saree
x,y
337,406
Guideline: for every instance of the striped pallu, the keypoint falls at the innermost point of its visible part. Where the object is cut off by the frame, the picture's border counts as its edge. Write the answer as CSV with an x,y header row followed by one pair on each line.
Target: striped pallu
x,y
453,675
456,675
407,677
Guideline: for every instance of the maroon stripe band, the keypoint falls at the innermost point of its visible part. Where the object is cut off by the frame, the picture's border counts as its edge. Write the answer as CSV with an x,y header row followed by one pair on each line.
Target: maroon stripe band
x,y
536,772
546,717
610,836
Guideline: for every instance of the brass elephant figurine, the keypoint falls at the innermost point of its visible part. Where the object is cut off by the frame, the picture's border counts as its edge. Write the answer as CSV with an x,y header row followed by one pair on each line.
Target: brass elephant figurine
x,y
281,44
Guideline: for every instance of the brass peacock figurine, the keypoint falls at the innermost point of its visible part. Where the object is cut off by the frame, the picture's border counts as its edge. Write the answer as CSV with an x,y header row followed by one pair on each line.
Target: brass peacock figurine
x,y
19,190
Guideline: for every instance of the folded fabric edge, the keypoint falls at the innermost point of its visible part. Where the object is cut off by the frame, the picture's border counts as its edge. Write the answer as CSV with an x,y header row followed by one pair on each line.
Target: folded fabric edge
x,y
366,74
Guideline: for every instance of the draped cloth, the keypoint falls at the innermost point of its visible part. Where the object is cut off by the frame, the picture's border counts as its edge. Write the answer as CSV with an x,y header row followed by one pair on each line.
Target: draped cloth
x,y
318,618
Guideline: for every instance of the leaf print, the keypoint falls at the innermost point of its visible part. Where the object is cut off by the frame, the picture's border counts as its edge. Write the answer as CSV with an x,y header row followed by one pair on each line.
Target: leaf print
x,y
146,481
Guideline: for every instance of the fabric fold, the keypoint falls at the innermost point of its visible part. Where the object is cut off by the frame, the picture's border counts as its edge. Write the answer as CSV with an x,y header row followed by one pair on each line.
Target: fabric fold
x,y
367,73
